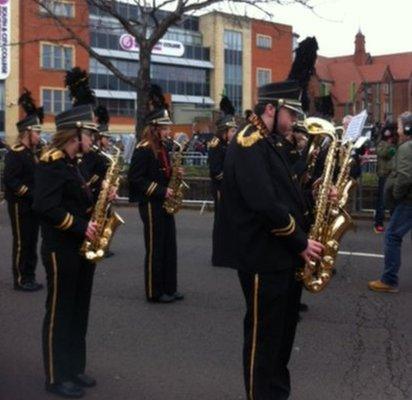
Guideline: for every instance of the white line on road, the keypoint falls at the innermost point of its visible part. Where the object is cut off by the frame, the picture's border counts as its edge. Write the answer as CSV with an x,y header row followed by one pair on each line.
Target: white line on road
x,y
350,253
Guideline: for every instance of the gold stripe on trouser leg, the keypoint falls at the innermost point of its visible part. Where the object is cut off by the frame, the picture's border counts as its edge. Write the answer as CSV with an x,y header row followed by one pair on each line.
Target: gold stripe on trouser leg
x,y
17,259
254,337
53,314
150,266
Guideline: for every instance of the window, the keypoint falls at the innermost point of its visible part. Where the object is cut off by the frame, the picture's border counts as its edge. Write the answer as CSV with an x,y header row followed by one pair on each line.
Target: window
x,y
56,57
324,89
55,100
264,76
60,8
263,41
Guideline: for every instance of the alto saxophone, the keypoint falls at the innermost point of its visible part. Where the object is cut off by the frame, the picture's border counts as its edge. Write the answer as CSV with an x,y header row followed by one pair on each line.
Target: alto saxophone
x,y
331,219
173,204
107,219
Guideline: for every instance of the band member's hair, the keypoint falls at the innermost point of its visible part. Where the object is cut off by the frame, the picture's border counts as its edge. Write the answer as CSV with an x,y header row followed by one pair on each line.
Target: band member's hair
x,y
60,139
259,108
151,134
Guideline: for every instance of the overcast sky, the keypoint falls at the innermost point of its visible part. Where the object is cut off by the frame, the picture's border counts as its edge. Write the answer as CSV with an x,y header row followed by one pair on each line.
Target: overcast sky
x,y
385,24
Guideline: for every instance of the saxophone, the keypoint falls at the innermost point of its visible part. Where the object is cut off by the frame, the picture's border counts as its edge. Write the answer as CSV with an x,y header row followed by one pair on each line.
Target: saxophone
x,y
107,219
174,203
331,219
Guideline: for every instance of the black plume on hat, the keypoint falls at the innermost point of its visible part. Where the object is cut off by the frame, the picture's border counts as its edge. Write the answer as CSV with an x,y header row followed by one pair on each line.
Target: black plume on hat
x,y
102,115
226,106
156,98
303,67
29,106
77,81
324,106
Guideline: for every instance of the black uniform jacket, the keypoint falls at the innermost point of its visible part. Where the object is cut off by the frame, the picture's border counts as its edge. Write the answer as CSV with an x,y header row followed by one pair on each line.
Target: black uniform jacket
x,y
217,152
264,203
62,199
148,176
19,168
93,166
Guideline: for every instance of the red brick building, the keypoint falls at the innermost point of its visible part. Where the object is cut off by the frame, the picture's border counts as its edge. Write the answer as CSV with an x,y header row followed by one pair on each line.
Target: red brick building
x,y
272,53
380,84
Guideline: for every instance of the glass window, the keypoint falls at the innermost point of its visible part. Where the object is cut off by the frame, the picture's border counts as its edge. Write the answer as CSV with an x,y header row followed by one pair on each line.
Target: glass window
x,y
55,100
63,8
47,56
263,41
264,76
56,57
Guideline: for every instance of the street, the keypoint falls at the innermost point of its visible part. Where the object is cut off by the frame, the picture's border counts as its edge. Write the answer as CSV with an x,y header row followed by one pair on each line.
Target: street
x,y
352,344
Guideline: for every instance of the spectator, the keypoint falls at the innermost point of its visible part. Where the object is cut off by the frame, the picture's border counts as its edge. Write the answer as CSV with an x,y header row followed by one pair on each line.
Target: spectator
x,y
385,150
398,195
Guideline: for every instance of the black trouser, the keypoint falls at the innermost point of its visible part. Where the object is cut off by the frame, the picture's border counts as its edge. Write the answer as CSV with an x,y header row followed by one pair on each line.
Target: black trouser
x,y
272,302
218,241
161,253
25,230
69,282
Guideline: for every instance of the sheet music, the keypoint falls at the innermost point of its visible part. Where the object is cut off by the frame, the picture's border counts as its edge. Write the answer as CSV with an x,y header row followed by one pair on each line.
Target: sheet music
x,y
355,127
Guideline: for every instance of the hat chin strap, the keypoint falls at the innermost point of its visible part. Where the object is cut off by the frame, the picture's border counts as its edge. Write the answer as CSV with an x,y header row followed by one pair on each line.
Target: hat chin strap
x,y
79,138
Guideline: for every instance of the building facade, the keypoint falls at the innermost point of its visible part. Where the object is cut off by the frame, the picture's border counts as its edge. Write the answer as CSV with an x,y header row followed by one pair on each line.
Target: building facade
x,y
195,62
380,84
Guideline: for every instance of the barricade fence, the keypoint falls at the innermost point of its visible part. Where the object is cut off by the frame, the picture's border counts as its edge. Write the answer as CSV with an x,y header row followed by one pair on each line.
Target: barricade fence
x,y
199,192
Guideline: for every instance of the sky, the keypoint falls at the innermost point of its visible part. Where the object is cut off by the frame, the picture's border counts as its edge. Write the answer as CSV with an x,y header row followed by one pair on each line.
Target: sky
x,y
385,24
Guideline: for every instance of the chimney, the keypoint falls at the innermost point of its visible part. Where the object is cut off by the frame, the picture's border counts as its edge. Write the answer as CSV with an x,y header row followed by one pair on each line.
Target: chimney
x,y
360,56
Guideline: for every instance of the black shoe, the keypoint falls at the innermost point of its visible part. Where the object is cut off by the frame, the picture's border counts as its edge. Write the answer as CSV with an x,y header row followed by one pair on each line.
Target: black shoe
x,y
108,254
165,298
303,307
66,389
178,296
28,287
84,380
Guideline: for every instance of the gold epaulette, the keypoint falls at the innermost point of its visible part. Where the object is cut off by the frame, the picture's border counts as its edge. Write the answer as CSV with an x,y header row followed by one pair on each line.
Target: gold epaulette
x,y
213,143
18,147
247,137
52,155
142,143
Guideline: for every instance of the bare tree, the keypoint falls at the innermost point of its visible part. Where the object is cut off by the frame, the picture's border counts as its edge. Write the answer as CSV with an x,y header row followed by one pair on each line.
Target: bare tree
x,y
147,27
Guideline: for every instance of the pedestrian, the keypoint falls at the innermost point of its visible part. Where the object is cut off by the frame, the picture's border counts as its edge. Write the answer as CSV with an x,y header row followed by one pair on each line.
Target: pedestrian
x,y
385,151
225,130
65,204
20,163
398,197
269,219
149,178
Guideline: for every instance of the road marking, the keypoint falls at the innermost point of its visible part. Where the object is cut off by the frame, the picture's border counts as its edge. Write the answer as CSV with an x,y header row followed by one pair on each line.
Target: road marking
x,y
350,253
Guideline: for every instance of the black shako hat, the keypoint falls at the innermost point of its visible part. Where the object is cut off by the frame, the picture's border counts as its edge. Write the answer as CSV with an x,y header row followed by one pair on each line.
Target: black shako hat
x,y
82,114
282,94
226,122
34,116
159,113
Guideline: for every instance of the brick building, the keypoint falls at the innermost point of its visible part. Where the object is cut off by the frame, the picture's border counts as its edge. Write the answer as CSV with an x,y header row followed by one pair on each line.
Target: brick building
x,y
220,53
380,84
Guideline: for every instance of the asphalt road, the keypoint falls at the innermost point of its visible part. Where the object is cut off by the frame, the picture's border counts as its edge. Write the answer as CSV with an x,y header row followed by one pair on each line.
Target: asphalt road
x,y
352,344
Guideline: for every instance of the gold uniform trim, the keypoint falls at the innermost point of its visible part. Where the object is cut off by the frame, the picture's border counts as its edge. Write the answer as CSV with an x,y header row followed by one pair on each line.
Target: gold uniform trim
x,y
23,190
150,266
250,140
219,177
52,155
254,336
66,223
286,231
152,187
93,179
143,143
18,147
52,317
17,260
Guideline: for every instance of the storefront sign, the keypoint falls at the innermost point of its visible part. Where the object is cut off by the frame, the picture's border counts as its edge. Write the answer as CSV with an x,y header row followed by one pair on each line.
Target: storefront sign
x,y
162,48
4,38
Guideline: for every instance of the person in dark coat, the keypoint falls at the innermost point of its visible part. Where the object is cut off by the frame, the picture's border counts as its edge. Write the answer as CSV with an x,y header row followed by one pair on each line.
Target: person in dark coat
x,y
65,205
20,163
269,220
225,130
149,177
